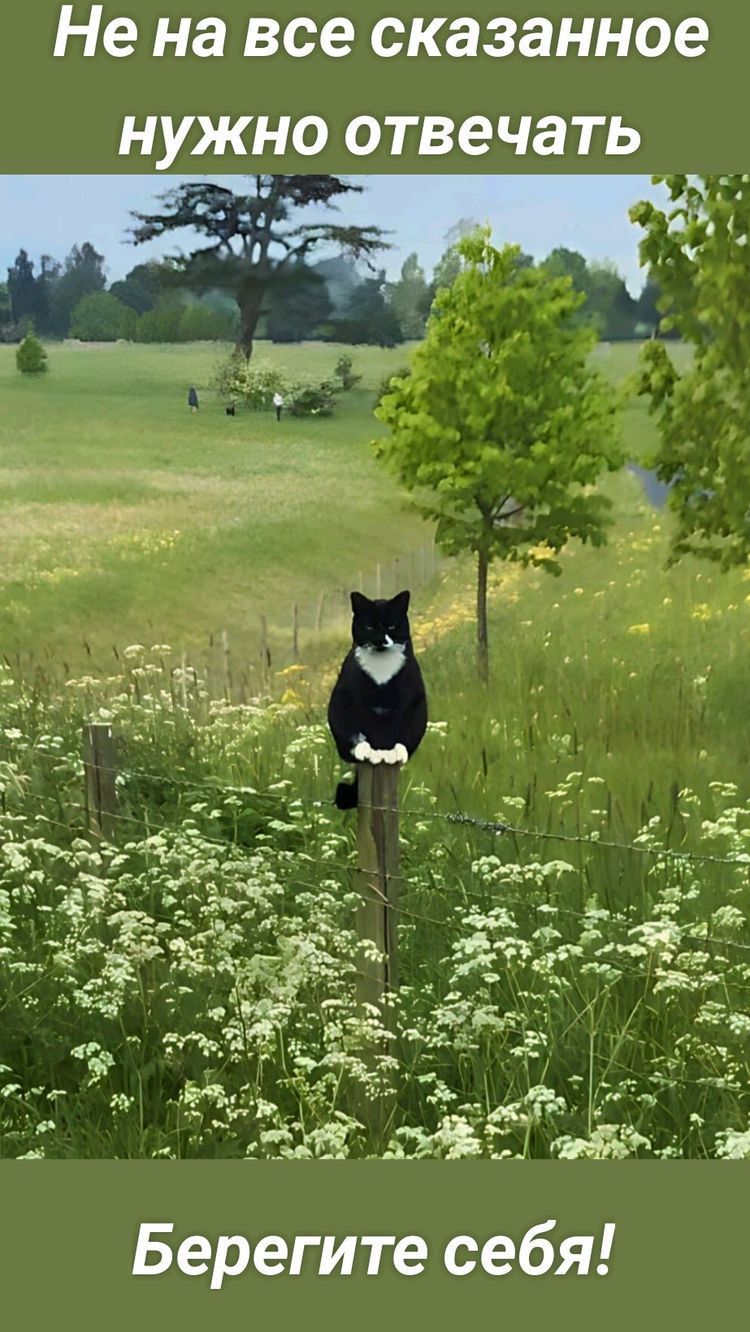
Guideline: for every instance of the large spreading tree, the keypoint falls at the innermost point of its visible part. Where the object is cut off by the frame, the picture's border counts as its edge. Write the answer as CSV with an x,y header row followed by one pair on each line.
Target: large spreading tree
x,y
502,429
698,251
254,242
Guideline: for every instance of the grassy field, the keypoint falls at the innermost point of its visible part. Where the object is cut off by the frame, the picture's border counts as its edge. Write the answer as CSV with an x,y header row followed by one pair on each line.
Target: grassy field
x,y
577,986
124,518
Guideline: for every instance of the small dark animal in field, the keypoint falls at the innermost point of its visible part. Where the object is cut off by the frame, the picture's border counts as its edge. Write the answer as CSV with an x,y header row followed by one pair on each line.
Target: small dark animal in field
x,y
378,708
230,411
192,399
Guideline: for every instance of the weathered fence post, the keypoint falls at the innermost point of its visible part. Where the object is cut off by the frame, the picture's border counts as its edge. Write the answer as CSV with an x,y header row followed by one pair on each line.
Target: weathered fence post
x,y
319,613
100,763
295,632
226,664
265,652
377,875
377,927
183,681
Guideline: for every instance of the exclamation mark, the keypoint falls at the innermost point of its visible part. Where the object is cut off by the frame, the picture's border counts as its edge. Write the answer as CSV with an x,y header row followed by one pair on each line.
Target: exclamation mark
x,y
608,1235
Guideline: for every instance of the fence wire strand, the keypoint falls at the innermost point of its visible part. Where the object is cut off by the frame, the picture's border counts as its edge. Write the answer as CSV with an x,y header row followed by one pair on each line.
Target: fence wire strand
x,y
460,818
449,924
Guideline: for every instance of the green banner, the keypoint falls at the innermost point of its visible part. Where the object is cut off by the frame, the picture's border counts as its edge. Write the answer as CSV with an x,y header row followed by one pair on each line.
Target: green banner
x,y
70,1234
313,89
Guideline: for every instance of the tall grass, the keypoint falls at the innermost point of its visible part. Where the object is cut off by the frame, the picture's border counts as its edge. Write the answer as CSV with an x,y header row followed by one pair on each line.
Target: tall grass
x,y
189,989
575,961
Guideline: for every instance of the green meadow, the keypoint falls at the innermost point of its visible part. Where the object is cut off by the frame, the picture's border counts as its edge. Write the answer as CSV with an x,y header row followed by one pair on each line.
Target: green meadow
x,y
575,961
126,518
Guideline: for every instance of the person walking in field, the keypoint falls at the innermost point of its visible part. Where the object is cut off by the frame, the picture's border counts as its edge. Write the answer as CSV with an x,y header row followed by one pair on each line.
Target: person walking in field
x,y
192,399
278,403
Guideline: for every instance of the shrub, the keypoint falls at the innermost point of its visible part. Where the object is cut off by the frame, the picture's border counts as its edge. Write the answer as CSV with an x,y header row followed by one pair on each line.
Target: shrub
x,y
100,317
312,399
250,382
344,372
31,358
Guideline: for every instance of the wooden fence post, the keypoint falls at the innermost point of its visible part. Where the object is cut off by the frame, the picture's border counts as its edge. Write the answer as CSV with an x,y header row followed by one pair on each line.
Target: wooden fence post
x,y
226,663
183,681
377,876
295,632
100,763
265,652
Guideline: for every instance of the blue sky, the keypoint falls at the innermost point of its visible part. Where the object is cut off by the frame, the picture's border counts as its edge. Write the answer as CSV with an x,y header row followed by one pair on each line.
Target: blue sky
x,y
48,214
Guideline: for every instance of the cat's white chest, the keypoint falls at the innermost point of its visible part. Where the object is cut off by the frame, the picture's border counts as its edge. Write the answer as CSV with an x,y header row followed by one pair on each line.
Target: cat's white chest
x,y
381,666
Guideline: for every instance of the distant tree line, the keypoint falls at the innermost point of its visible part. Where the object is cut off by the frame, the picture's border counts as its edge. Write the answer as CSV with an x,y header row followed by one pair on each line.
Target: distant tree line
x,y
70,299
334,299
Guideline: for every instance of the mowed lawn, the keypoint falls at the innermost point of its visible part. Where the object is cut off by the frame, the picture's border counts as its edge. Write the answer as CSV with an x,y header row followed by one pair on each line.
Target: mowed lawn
x,y
126,518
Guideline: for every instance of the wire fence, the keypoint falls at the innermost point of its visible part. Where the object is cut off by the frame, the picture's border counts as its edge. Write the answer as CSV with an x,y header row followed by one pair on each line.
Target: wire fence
x,y
149,826
240,667
495,828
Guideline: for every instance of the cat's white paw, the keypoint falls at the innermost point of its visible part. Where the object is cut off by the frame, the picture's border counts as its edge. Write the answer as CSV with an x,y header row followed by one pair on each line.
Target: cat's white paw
x,y
361,751
399,754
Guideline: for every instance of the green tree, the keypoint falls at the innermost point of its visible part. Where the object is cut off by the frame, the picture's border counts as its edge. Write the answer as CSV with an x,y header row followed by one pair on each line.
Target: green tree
x,y
408,298
300,306
46,286
609,302
141,287
450,263
253,240
367,317
199,322
697,251
502,429
83,272
5,310
341,276
22,288
100,317
162,324
562,262
31,358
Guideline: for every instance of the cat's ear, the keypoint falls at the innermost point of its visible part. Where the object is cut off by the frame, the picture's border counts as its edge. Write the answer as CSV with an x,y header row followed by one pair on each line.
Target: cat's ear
x,y
360,603
400,602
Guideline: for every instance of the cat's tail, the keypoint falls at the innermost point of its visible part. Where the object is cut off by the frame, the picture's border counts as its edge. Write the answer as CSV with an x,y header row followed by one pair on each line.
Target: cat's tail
x,y
346,794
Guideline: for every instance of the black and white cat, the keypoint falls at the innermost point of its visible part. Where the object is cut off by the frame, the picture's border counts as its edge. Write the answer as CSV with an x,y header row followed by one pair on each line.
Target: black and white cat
x,y
378,708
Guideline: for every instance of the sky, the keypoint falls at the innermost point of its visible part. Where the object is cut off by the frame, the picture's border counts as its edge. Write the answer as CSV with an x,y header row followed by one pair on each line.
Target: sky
x,y
49,214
